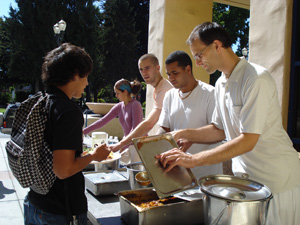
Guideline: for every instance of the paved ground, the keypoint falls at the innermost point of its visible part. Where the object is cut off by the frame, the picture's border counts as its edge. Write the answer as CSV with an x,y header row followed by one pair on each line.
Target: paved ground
x,y
11,193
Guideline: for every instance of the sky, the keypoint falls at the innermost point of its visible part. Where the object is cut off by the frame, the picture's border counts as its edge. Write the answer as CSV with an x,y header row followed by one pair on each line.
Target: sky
x,y
4,7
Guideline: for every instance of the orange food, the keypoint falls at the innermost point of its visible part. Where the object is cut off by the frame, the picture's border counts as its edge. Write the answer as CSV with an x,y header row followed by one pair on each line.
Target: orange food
x,y
154,203
110,156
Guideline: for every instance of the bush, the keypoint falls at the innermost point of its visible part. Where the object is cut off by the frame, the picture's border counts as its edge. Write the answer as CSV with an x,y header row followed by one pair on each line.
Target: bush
x,y
5,98
21,96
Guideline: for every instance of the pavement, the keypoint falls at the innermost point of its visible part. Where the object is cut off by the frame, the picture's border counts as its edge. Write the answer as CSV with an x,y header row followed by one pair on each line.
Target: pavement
x,y
12,194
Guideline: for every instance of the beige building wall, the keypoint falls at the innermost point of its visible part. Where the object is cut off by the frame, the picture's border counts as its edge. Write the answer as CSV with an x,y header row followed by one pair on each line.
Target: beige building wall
x,y
270,43
170,23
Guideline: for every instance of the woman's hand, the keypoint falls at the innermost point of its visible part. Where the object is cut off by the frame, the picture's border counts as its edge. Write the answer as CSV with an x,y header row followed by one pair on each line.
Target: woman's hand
x,y
116,147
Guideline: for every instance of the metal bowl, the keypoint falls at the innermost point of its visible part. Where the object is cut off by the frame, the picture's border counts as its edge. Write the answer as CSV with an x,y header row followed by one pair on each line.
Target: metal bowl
x,y
134,169
142,178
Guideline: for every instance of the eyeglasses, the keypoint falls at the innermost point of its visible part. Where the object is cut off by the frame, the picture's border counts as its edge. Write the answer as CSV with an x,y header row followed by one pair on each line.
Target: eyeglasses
x,y
198,56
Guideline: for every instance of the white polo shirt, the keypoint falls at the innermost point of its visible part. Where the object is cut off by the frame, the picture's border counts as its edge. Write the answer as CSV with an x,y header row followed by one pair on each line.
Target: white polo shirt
x,y
248,103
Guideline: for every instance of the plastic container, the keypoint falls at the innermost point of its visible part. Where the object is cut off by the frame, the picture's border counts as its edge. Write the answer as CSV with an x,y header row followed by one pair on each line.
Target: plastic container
x,y
116,140
99,138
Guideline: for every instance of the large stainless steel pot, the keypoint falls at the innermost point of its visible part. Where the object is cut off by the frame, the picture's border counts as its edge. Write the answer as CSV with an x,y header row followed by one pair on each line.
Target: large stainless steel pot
x,y
232,200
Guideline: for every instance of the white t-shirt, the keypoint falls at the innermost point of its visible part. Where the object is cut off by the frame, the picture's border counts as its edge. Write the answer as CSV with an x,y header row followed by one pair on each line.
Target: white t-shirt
x,y
248,103
193,112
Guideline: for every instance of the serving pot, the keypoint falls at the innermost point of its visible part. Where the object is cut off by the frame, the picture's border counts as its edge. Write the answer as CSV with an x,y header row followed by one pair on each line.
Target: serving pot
x,y
133,169
232,200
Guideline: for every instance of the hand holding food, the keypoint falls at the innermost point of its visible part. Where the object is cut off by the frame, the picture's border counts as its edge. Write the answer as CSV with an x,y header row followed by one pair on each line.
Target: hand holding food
x,y
101,153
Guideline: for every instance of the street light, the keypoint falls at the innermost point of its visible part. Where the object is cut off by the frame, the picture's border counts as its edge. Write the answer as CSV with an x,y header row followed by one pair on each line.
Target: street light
x,y
59,31
245,52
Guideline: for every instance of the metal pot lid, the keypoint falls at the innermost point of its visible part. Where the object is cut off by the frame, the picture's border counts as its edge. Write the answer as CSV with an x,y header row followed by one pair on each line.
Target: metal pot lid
x,y
234,188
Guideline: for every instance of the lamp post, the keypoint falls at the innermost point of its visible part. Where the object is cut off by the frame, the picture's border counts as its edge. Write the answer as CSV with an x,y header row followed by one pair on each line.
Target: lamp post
x,y
245,52
59,30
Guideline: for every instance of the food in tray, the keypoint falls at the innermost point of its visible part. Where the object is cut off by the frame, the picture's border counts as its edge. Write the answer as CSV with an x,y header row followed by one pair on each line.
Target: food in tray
x,y
155,203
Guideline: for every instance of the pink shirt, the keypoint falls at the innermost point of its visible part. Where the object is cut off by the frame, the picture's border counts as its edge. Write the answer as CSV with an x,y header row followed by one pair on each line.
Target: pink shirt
x,y
129,115
160,91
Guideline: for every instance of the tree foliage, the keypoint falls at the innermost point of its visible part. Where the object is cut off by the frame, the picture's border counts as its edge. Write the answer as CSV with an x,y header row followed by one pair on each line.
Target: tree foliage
x,y
31,35
118,39
235,21
4,54
123,38
113,32
109,33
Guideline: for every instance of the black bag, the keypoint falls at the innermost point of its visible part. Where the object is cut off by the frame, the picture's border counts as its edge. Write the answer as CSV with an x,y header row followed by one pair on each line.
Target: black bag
x,y
29,155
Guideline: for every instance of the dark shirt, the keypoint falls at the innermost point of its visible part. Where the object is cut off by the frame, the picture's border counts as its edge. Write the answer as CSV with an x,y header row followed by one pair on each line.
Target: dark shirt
x,y
63,131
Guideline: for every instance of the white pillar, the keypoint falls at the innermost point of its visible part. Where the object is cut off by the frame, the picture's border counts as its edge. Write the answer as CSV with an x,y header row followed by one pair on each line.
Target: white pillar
x,y
270,43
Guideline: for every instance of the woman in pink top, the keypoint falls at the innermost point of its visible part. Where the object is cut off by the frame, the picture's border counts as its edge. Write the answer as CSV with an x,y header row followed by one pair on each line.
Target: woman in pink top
x,y
128,110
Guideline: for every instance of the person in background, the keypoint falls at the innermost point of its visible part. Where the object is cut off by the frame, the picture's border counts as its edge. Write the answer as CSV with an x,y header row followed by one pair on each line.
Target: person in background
x,y
248,114
65,75
150,71
190,104
128,110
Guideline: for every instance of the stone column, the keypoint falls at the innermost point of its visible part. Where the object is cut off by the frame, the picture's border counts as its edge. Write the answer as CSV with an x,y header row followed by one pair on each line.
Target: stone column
x,y
170,23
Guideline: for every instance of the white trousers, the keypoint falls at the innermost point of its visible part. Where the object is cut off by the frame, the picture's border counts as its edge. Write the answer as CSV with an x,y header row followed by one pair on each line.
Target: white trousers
x,y
284,208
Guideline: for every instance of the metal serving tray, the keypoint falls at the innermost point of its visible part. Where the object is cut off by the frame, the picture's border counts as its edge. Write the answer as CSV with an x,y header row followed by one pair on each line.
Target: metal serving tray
x,y
165,184
180,212
108,182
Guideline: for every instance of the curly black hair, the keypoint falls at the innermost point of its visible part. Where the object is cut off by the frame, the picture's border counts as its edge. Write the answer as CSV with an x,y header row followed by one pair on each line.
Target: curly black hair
x,y
63,63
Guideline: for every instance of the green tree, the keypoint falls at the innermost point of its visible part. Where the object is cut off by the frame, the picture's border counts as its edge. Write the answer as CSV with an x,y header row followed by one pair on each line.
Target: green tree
x,y
84,31
235,21
118,41
4,54
140,13
31,33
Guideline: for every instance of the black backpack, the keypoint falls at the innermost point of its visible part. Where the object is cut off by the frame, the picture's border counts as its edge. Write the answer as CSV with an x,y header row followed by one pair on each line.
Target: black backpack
x,y
29,155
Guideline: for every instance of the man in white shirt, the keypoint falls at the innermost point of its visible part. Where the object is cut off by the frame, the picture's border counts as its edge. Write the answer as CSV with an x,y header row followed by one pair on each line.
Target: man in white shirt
x,y
248,114
190,104
150,71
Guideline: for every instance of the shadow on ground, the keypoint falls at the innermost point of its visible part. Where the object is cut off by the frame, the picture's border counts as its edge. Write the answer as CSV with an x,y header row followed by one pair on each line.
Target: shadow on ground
x,y
5,191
